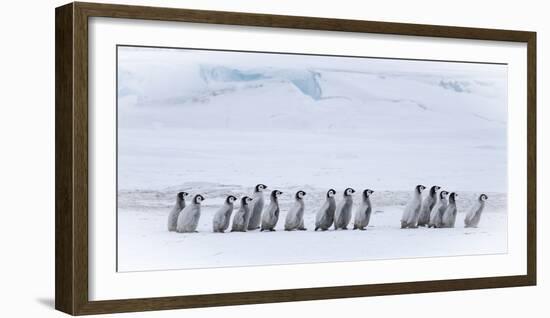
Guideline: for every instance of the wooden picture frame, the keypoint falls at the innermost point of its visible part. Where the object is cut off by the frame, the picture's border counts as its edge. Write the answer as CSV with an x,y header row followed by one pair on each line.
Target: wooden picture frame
x,y
71,124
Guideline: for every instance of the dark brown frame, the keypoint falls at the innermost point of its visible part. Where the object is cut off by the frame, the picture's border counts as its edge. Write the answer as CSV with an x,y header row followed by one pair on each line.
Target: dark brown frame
x,y
71,157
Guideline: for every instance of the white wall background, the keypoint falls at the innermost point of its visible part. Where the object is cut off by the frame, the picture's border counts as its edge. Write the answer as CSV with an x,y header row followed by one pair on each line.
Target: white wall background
x,y
27,157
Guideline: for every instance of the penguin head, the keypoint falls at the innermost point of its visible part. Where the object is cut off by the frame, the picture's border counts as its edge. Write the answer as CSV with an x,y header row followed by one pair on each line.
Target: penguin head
x,y
367,192
198,199
434,189
276,193
331,193
300,195
452,196
182,195
348,192
420,188
443,194
483,197
260,187
230,199
246,200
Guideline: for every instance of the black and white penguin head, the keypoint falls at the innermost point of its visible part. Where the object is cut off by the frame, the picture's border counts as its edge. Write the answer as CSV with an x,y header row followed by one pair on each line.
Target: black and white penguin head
x,y
434,189
230,199
483,197
275,194
452,197
443,194
331,193
300,195
182,195
419,188
348,192
198,199
260,187
367,193
246,200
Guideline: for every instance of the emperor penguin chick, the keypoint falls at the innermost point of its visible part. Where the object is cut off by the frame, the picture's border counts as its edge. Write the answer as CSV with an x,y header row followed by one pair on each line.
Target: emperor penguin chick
x,y
412,210
436,216
176,210
362,215
342,215
223,215
256,207
449,216
240,220
295,217
270,215
427,206
189,217
474,216
325,216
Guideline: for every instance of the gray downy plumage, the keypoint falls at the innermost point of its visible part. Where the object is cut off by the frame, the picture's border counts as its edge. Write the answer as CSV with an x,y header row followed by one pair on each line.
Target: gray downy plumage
x,y
427,205
270,215
256,207
436,216
176,210
409,219
342,215
220,223
240,219
325,216
474,216
449,217
363,213
188,219
295,217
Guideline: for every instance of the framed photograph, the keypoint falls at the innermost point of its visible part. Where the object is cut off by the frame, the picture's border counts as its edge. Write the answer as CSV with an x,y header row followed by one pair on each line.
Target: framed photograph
x,y
211,158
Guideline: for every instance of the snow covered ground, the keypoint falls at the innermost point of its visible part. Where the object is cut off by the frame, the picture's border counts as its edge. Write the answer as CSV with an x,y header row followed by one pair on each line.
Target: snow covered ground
x,y
218,123
145,244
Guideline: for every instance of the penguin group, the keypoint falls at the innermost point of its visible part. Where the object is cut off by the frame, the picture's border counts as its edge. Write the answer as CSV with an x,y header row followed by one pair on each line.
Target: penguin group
x,y
252,215
436,210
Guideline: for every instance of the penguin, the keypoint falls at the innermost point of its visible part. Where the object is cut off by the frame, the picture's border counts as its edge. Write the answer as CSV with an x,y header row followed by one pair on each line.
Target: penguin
x,y
362,215
473,217
325,216
342,215
189,217
412,210
222,216
436,216
449,216
295,217
240,220
270,215
256,207
176,210
427,206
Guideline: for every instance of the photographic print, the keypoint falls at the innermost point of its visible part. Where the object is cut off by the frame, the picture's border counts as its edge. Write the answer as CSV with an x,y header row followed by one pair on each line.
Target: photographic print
x,y
235,158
